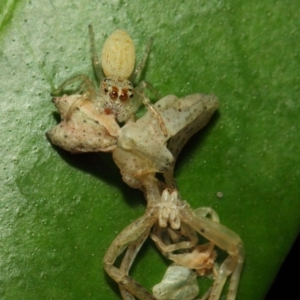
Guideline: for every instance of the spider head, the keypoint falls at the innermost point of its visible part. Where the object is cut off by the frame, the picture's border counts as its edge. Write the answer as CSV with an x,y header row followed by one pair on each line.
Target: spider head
x,y
116,94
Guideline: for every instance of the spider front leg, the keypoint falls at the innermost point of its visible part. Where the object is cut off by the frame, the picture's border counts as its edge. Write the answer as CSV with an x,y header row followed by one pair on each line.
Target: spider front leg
x,y
86,86
203,212
127,261
168,240
198,257
134,234
95,59
140,67
225,239
142,98
132,238
143,85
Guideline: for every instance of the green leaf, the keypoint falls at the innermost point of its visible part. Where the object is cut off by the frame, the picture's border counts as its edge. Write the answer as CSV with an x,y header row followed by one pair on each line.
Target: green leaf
x,y
60,212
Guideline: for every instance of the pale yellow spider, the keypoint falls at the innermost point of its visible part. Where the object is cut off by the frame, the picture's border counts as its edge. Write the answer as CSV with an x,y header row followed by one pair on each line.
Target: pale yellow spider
x,y
116,98
115,74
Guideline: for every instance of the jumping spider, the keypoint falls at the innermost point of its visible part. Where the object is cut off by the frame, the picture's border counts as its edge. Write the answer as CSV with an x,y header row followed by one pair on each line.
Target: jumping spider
x,y
115,74
88,118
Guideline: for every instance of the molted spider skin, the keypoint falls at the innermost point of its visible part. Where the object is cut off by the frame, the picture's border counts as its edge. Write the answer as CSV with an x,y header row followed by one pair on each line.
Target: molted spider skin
x,y
82,127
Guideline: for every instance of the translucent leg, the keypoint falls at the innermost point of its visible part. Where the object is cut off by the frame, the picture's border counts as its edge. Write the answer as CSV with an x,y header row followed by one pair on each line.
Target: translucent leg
x,y
200,257
150,107
127,261
95,59
204,211
225,239
86,86
132,234
139,69
143,85
173,244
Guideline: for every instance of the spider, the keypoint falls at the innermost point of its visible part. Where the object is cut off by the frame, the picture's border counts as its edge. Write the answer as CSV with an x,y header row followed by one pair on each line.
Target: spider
x,y
116,93
115,100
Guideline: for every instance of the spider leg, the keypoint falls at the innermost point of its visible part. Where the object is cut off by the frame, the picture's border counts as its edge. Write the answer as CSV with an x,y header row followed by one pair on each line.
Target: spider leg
x,y
185,230
132,234
95,59
132,238
139,68
86,86
225,239
165,246
128,259
150,107
204,211
145,85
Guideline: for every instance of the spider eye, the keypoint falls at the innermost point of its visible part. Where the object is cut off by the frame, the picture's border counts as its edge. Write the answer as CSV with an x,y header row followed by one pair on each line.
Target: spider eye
x,y
106,90
123,96
130,92
113,95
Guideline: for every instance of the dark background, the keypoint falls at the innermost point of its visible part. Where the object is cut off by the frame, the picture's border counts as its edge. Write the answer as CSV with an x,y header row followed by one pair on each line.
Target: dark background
x,y
284,283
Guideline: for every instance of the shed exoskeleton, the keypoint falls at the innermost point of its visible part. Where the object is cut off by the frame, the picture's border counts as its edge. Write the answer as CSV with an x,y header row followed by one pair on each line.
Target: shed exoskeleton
x,y
142,151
